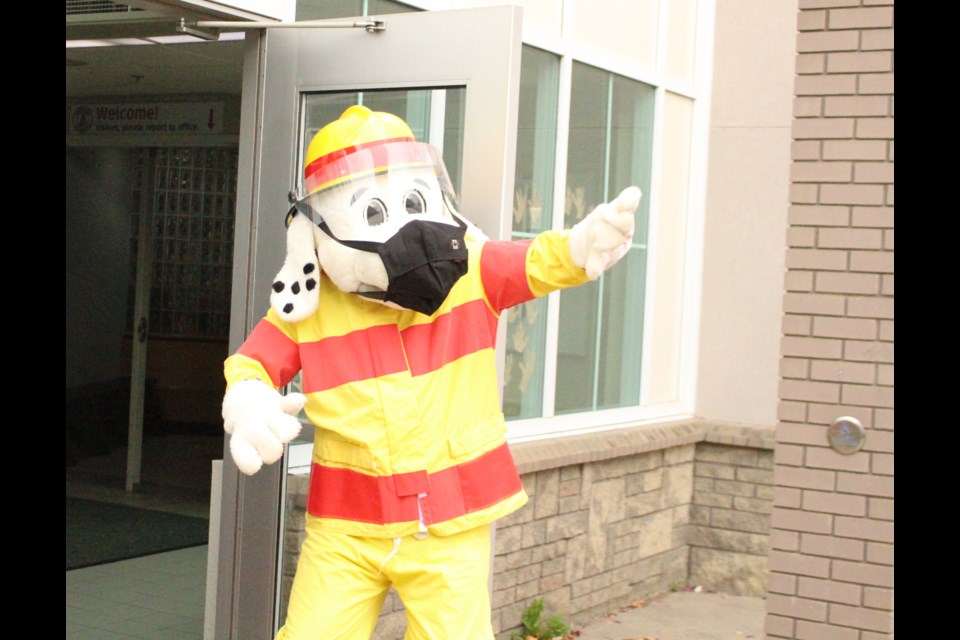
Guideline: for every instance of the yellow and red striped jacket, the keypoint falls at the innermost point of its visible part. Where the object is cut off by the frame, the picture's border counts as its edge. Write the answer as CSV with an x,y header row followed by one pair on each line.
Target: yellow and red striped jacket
x,y
409,431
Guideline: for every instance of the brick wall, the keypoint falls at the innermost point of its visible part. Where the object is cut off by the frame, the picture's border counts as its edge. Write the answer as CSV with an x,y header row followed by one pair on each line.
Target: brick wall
x,y
831,557
614,517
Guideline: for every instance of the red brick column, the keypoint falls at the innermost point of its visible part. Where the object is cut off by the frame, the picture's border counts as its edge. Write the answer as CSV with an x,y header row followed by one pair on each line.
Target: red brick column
x,y
831,557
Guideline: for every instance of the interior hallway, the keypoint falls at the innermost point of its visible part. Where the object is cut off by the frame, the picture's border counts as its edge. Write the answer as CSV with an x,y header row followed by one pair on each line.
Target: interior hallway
x,y
154,597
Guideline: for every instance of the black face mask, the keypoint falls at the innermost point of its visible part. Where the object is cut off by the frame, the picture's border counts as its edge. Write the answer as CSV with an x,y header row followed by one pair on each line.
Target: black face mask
x,y
424,259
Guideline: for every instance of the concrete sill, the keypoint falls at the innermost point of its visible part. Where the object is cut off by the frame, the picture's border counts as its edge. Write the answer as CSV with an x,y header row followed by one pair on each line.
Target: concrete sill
x,y
593,447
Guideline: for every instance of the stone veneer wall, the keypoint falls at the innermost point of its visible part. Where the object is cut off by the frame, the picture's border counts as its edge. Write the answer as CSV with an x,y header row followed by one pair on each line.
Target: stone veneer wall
x,y
729,535
617,516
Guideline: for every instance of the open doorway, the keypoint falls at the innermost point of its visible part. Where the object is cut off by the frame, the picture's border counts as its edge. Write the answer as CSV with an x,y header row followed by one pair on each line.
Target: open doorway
x,y
151,163
179,200
152,135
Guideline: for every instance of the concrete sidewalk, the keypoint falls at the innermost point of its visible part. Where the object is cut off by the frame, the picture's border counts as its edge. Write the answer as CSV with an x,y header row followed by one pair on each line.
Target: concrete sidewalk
x,y
684,615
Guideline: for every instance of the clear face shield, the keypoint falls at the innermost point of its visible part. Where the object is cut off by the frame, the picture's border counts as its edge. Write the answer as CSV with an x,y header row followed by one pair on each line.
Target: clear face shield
x,y
367,194
395,200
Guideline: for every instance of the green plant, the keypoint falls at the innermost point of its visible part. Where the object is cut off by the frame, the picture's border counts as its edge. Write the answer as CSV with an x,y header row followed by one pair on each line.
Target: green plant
x,y
551,628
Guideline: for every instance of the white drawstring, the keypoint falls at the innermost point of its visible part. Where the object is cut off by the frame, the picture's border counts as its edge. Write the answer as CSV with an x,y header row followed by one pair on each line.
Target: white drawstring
x,y
422,532
422,527
396,547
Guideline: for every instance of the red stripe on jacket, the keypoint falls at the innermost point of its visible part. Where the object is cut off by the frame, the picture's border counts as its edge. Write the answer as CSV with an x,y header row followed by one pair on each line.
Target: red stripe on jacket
x,y
377,351
453,492
503,268
279,355
381,350
359,355
465,329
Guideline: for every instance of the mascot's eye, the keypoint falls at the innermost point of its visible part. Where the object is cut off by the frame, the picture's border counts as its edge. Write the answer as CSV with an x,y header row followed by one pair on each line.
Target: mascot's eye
x,y
413,202
376,212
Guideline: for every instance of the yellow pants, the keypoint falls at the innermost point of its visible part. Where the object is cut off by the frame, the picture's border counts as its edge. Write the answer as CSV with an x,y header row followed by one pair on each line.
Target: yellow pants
x,y
342,581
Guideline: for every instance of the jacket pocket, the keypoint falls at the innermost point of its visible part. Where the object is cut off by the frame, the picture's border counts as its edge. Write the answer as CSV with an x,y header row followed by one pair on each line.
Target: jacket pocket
x,y
332,450
476,438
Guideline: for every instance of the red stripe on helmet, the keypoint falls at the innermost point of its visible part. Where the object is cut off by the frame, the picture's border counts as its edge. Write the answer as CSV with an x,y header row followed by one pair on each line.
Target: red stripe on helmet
x,y
320,170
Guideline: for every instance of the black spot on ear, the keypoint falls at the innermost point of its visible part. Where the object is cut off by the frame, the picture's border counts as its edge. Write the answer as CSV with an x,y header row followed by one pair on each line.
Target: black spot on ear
x,y
309,267
311,283
287,308
278,286
295,288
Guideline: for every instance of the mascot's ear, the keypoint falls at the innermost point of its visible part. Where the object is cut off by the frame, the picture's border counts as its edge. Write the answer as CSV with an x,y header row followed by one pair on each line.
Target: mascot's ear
x,y
296,288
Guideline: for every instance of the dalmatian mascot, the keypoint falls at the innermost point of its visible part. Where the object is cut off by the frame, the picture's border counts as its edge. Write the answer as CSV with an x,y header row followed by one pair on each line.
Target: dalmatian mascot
x,y
387,303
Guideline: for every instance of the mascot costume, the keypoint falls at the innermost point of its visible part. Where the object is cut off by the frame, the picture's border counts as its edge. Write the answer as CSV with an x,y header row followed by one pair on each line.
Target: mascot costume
x,y
387,304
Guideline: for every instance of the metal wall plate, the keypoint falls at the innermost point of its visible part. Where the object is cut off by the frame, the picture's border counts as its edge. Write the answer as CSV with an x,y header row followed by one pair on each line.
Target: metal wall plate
x,y
846,435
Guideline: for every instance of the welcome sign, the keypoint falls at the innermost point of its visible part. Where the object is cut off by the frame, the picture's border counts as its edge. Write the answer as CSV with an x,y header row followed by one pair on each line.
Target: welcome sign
x,y
145,118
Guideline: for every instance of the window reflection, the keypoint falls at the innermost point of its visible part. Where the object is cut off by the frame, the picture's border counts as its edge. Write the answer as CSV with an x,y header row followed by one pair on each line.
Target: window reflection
x,y
532,212
601,323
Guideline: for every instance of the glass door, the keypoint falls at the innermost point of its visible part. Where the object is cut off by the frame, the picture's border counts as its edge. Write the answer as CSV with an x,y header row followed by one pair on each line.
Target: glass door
x,y
454,77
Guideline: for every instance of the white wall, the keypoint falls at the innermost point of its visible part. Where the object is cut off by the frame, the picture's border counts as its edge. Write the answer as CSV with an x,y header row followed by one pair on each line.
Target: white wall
x,y
746,210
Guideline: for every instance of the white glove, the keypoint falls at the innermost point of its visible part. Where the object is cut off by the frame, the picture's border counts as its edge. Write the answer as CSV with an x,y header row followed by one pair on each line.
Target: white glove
x,y
598,241
260,421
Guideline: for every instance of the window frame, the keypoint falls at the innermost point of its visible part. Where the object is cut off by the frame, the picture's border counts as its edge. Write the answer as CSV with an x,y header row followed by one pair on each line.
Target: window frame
x,y
549,424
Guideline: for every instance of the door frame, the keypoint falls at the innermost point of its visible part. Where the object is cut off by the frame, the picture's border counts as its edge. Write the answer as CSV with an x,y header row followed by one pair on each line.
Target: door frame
x,y
476,48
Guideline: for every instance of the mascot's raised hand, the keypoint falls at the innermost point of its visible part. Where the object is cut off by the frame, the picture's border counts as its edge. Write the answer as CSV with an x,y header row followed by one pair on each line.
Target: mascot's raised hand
x,y
260,421
598,241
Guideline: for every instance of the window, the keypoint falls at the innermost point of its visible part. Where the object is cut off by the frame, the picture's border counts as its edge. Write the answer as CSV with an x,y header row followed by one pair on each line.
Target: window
x,y
193,200
327,9
597,344
601,323
524,364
